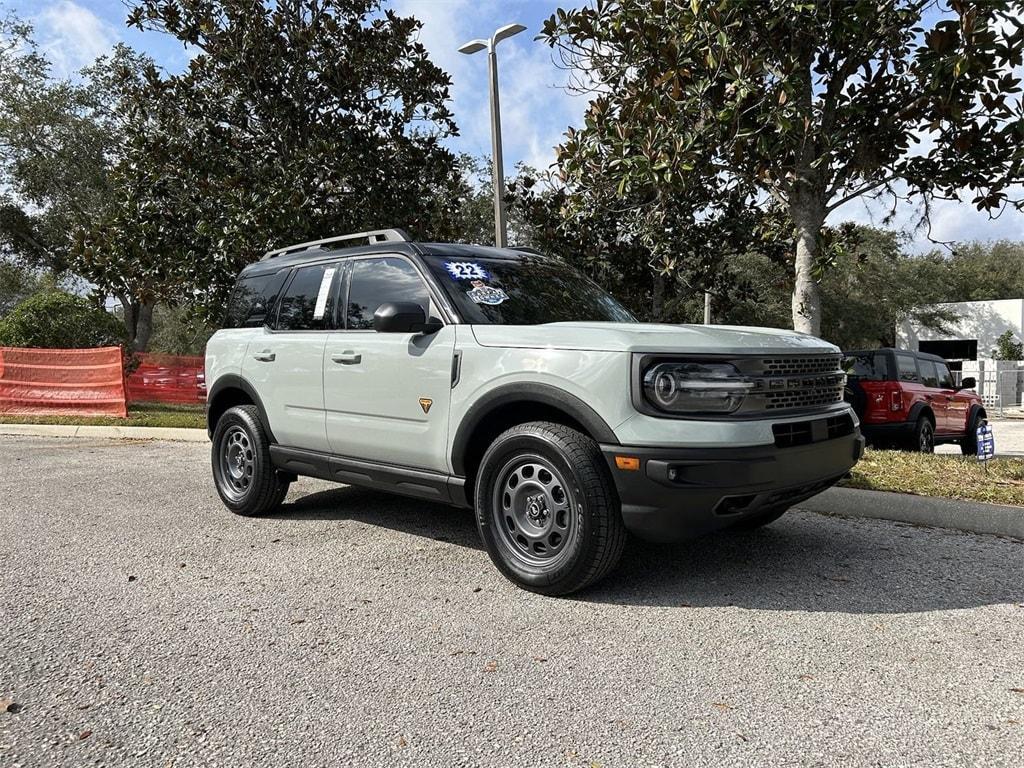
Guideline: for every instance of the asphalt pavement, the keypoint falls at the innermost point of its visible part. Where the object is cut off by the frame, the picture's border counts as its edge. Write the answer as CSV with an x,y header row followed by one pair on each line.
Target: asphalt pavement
x,y
144,625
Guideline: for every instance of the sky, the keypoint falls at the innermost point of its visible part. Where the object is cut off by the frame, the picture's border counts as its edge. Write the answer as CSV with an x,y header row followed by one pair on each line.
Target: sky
x,y
536,107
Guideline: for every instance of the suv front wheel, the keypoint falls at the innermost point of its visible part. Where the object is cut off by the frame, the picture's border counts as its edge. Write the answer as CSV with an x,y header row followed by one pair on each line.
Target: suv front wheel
x,y
245,477
546,509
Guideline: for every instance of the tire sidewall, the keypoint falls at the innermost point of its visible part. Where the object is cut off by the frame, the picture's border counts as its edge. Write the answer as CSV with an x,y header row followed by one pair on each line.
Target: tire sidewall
x,y
497,456
924,423
240,417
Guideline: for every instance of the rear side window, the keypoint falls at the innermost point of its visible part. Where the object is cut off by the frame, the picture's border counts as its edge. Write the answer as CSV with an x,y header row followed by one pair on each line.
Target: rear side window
x,y
376,281
867,366
252,301
906,366
307,304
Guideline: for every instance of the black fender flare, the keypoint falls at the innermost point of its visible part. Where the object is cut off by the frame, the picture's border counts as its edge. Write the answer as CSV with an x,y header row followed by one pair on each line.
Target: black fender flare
x,y
915,413
974,416
526,392
234,381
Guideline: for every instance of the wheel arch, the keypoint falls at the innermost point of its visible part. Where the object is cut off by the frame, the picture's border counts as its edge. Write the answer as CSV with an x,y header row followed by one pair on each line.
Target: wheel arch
x,y
227,392
919,410
512,404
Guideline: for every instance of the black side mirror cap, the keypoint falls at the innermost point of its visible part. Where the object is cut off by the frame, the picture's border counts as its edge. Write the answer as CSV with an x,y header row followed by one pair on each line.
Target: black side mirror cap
x,y
969,383
403,317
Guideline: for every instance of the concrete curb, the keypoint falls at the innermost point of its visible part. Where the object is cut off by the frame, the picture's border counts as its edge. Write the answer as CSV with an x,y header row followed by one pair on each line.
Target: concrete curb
x,y
133,433
970,516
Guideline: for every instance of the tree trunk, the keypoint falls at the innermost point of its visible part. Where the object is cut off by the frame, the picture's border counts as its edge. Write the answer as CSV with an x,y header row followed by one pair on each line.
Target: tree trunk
x,y
808,218
138,321
143,326
658,297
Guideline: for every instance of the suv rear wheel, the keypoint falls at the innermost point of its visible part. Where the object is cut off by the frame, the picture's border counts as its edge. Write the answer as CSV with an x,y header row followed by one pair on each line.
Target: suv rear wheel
x,y
245,477
924,436
546,509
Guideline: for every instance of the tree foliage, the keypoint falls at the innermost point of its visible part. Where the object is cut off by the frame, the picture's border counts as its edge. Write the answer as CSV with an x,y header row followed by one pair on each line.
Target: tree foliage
x,y
63,153
1008,348
809,103
294,120
59,320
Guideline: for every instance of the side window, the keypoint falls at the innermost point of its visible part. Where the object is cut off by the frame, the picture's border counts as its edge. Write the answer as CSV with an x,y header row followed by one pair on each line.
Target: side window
x,y
307,302
376,281
945,377
928,375
253,299
907,367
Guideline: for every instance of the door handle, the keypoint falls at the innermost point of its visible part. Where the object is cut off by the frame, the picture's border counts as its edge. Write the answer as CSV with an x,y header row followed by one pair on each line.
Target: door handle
x,y
266,356
347,358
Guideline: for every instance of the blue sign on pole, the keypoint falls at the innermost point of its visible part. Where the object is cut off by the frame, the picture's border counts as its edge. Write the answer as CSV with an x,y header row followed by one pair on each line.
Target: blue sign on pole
x,y
986,443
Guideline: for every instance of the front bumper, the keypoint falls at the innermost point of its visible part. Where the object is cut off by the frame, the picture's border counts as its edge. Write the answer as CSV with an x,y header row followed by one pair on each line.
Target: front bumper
x,y
681,493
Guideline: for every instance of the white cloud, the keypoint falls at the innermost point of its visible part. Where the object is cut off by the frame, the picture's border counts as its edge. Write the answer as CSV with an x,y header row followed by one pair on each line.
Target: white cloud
x,y
72,36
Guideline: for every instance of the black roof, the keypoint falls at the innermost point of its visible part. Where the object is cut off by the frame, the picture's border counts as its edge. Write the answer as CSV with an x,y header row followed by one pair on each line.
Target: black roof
x,y
457,250
922,355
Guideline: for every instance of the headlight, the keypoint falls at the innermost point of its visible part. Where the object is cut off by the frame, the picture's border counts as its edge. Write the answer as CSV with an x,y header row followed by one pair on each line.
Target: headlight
x,y
685,387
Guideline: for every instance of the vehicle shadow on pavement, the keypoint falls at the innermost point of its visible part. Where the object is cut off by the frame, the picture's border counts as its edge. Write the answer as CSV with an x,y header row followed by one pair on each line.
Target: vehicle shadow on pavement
x,y
440,522
803,562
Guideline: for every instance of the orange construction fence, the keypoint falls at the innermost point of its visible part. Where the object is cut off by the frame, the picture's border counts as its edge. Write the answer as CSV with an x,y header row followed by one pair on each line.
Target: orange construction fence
x,y
167,379
76,382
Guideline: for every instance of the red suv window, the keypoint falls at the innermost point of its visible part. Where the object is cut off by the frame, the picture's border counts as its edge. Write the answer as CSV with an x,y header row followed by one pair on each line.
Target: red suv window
x,y
906,366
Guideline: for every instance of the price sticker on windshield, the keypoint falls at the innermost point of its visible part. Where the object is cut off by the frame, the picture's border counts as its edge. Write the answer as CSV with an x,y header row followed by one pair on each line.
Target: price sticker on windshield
x,y
466,270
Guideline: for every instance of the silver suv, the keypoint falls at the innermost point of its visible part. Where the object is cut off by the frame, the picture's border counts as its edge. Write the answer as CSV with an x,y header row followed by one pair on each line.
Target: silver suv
x,y
506,381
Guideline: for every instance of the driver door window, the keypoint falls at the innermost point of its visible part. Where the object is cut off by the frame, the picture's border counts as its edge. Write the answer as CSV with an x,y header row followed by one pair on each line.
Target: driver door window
x,y
376,281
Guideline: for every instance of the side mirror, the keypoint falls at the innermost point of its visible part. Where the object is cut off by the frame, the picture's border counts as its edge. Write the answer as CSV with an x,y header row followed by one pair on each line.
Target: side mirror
x,y
402,317
969,383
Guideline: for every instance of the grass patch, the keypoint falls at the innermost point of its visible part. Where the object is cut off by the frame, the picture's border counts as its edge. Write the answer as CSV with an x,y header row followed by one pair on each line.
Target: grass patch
x,y
952,477
139,415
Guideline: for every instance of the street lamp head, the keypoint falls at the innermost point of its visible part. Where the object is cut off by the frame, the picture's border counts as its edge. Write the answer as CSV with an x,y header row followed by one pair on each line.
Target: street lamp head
x,y
507,31
473,46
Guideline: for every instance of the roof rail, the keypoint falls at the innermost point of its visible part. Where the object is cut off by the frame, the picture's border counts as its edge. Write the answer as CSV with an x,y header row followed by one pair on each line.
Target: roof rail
x,y
527,249
373,236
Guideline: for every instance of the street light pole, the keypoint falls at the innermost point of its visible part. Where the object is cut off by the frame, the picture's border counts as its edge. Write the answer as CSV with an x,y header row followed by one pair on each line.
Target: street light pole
x,y
498,167
498,170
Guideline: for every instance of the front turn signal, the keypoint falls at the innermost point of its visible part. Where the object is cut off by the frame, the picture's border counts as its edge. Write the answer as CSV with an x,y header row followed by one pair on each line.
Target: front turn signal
x,y
628,463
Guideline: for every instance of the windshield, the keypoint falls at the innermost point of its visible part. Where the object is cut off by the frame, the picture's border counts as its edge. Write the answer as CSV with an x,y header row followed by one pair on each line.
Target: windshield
x,y
525,291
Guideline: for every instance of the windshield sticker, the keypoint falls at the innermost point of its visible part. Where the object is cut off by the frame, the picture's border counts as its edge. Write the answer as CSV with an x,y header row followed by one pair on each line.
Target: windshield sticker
x,y
466,270
485,294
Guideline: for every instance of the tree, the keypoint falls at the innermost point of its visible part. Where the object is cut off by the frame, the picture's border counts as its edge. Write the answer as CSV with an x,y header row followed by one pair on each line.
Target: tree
x,y
808,103
63,154
294,120
59,320
16,284
1007,348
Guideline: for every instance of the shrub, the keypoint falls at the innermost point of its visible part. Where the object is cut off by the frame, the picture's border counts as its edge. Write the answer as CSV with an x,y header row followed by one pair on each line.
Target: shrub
x,y
59,320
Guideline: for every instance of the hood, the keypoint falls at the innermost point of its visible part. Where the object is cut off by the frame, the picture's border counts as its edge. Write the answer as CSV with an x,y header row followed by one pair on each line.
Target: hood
x,y
651,337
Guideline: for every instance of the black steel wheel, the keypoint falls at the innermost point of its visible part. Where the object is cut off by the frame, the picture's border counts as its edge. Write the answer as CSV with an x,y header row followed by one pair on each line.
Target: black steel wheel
x,y
547,510
244,475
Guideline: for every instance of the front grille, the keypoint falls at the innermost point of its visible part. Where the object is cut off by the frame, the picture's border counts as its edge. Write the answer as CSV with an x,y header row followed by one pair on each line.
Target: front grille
x,y
793,383
800,364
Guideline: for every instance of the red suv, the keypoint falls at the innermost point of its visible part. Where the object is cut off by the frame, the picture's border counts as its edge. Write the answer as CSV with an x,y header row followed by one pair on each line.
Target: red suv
x,y
908,399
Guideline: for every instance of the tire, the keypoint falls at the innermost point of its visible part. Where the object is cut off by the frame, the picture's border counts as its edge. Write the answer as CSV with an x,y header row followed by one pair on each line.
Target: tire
x,y
243,473
969,442
923,440
547,510
759,520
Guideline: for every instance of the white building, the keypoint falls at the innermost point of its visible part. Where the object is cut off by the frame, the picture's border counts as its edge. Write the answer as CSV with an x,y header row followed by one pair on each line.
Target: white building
x,y
969,343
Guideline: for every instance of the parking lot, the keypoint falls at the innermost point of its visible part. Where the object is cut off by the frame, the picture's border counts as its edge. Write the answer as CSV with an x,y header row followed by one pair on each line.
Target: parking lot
x,y
144,625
